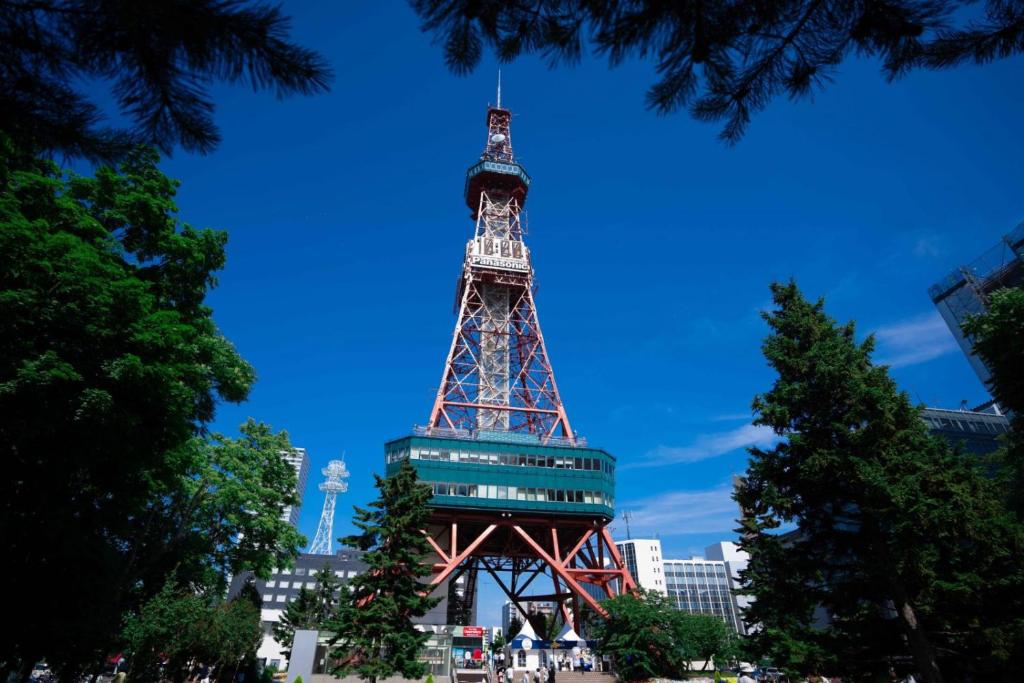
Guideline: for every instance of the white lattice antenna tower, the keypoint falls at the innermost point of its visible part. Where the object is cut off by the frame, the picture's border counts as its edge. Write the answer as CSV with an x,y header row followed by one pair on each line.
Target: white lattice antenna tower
x,y
335,473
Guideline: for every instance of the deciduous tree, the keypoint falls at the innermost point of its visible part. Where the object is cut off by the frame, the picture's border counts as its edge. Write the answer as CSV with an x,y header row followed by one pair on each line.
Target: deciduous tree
x,y
110,370
641,633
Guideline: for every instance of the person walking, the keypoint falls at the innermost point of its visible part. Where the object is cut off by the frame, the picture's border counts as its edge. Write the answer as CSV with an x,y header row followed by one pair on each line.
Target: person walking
x,y
551,675
526,676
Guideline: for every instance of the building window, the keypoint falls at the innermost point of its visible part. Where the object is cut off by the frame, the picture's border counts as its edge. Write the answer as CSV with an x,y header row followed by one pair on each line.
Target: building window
x,y
271,584
281,597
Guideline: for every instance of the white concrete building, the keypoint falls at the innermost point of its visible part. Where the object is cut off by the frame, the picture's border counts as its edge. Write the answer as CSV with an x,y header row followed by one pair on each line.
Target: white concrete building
x,y
299,461
697,585
644,561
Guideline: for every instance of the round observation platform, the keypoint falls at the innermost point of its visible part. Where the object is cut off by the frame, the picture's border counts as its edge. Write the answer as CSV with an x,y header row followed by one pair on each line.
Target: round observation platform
x,y
496,177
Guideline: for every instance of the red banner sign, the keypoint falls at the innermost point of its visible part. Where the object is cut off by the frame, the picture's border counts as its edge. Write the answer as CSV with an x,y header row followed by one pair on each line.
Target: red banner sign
x,y
473,631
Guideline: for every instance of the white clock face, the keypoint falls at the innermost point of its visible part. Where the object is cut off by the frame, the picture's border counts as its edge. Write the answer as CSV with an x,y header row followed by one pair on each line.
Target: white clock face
x,y
527,644
498,138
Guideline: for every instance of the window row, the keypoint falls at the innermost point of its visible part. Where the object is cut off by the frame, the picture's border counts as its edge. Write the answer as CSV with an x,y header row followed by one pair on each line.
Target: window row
x,y
299,571
495,492
514,459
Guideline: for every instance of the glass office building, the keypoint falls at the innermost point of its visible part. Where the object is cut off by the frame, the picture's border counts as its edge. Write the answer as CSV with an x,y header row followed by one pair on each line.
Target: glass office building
x,y
963,292
976,432
701,586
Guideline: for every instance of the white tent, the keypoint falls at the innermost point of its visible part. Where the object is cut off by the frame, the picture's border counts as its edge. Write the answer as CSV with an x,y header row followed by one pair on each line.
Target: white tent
x,y
569,638
523,650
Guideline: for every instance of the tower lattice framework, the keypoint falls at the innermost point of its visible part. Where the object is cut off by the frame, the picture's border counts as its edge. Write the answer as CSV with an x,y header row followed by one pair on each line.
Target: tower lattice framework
x,y
336,472
498,375
497,391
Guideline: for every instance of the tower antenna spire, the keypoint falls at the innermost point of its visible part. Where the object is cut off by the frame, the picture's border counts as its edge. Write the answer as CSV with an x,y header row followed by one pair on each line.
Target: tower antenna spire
x,y
499,88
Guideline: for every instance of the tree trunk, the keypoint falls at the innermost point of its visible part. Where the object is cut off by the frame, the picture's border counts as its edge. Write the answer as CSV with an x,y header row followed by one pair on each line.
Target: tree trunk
x,y
920,646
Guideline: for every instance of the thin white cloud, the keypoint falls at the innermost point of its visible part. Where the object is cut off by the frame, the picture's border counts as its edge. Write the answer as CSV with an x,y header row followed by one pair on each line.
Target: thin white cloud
x,y
706,446
730,417
928,246
914,340
684,512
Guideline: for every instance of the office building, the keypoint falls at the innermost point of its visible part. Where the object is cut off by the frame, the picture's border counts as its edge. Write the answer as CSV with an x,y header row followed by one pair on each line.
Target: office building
x,y
508,611
299,461
697,585
964,292
642,558
283,587
976,431
735,561
700,586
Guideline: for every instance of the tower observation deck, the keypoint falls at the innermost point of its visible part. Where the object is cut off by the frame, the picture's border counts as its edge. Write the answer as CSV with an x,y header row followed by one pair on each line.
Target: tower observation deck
x,y
517,493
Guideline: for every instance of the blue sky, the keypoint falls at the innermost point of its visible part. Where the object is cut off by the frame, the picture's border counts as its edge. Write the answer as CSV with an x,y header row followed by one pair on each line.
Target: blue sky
x,y
653,244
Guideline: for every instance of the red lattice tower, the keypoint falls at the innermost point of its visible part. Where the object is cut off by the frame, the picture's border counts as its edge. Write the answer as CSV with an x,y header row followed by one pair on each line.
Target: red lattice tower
x,y
498,375
516,493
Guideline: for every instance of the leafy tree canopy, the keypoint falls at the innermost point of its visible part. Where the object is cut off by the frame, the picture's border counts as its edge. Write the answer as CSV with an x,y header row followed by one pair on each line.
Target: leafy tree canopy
x,y
726,60
158,56
110,369
374,636
901,547
179,626
642,633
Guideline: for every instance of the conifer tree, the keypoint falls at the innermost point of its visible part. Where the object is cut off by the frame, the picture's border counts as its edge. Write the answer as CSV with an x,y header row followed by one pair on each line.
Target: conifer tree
x,y
310,610
998,336
374,636
900,547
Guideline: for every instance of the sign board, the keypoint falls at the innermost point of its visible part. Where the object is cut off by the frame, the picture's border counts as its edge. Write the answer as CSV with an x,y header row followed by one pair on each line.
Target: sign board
x,y
502,254
473,631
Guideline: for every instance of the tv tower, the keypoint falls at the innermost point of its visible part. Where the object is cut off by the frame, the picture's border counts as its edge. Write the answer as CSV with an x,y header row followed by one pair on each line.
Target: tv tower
x,y
335,472
516,492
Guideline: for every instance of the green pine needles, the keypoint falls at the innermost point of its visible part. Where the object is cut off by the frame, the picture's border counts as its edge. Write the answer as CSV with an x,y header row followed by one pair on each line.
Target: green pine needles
x,y
901,553
374,636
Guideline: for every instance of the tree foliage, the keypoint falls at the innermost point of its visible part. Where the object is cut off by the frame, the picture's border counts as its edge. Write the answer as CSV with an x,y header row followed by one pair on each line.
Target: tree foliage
x,y
179,627
996,335
110,369
998,338
726,60
649,638
901,546
311,609
374,636
515,625
158,58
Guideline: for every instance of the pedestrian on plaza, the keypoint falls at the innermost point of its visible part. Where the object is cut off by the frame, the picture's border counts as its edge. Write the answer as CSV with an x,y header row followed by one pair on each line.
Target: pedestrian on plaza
x,y
526,676
543,674
501,676
746,675
551,675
